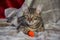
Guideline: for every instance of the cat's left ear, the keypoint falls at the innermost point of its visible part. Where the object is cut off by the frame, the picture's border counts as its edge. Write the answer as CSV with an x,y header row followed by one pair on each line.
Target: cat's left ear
x,y
39,8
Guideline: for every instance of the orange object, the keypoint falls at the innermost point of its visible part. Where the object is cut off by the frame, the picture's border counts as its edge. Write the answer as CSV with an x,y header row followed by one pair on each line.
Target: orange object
x,y
31,33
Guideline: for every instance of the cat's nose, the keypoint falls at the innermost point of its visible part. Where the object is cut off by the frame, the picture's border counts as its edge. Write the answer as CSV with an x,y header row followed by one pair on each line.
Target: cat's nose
x,y
30,19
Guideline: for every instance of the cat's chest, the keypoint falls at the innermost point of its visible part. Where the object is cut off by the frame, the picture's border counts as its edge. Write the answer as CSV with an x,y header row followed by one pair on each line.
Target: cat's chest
x,y
34,26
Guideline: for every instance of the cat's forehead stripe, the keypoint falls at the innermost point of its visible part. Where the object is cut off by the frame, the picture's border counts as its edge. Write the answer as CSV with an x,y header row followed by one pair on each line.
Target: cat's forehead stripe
x,y
31,10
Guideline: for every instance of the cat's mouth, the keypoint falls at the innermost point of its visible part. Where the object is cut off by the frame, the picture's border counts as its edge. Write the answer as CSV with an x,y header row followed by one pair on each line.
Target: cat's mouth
x,y
32,22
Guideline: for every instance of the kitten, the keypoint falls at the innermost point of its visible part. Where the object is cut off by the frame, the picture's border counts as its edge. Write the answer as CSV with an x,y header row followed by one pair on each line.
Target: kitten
x,y
32,17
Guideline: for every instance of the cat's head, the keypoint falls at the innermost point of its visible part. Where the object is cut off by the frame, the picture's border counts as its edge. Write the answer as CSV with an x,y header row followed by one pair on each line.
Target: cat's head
x,y
32,15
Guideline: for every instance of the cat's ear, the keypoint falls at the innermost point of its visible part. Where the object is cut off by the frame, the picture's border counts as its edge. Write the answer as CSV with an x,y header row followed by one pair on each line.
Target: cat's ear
x,y
25,11
39,8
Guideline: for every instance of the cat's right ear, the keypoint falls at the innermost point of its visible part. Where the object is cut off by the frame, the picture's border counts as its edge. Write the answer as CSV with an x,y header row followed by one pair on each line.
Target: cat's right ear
x,y
39,8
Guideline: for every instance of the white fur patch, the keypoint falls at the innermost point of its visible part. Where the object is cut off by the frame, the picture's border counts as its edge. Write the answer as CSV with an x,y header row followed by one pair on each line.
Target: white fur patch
x,y
32,22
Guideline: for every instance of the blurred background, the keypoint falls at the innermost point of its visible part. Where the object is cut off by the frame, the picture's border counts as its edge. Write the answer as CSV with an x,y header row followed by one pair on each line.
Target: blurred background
x,y
51,17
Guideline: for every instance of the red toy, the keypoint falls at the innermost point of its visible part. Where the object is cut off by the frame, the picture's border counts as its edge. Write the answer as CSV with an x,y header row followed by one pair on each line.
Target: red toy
x,y
31,33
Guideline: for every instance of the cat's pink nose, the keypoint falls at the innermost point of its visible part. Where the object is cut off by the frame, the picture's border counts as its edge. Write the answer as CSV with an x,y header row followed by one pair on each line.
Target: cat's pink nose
x,y
29,19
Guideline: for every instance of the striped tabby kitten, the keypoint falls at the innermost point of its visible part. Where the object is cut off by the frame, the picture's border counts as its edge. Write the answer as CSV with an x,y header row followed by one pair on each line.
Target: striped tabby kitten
x,y
32,21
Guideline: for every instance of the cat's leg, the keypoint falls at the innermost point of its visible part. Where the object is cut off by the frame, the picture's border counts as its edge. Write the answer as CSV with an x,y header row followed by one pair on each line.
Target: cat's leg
x,y
25,30
40,28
